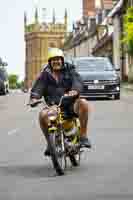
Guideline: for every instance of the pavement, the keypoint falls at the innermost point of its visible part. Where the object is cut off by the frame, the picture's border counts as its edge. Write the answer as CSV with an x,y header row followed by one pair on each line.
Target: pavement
x,y
127,86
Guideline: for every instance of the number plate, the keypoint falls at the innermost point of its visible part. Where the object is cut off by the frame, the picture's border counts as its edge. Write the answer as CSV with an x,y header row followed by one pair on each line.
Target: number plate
x,y
100,87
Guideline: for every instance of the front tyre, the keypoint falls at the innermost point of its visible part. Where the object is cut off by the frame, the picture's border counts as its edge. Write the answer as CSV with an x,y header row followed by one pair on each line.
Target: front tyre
x,y
75,159
57,153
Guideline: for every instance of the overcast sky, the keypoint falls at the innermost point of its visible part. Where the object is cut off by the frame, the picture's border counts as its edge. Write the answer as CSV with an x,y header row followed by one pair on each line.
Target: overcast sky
x,y
12,46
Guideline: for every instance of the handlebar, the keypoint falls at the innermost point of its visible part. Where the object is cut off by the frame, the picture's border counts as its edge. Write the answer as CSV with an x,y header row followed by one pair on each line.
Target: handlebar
x,y
35,103
42,101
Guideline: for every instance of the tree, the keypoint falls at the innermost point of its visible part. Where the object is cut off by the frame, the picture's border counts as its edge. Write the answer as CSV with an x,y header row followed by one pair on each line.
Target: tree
x,y
128,30
20,84
14,83
13,80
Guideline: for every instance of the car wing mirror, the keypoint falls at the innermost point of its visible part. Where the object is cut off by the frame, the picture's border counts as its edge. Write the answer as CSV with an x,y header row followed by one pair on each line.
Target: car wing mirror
x,y
117,69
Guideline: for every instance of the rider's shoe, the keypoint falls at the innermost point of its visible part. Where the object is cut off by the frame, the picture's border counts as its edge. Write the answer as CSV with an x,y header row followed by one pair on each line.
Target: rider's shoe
x,y
47,151
84,142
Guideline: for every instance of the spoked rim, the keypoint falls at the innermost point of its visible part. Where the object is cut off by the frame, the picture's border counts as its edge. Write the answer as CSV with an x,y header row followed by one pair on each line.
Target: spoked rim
x,y
61,158
58,154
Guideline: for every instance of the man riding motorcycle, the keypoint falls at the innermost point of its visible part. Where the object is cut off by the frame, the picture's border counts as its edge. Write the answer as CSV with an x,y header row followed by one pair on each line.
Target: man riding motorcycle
x,y
59,78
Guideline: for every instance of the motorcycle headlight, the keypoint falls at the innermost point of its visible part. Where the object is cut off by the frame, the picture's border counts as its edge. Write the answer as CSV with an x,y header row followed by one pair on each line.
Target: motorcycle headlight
x,y
52,115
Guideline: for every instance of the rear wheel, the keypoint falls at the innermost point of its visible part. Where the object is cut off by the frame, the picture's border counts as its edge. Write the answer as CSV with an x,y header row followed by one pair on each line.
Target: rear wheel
x,y
58,158
75,157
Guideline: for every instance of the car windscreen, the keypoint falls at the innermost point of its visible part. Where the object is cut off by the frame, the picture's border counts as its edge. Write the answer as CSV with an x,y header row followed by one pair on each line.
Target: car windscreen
x,y
93,65
3,75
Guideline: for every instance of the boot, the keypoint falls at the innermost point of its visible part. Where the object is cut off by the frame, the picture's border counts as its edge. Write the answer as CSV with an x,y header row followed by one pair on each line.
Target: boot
x,y
84,142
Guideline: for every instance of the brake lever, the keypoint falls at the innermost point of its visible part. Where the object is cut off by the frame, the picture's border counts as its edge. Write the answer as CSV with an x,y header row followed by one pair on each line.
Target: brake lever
x,y
34,104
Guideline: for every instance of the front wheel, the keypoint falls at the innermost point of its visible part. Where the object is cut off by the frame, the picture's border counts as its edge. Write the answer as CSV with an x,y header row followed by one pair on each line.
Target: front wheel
x,y
56,145
75,159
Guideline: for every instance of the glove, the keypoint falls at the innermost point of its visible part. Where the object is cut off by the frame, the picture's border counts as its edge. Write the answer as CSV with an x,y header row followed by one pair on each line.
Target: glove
x,y
34,102
72,93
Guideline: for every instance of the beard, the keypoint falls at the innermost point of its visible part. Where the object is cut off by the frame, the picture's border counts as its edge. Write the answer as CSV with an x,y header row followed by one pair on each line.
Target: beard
x,y
56,67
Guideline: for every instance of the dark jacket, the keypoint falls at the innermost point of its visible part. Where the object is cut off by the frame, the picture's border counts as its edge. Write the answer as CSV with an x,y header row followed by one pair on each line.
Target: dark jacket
x,y
46,86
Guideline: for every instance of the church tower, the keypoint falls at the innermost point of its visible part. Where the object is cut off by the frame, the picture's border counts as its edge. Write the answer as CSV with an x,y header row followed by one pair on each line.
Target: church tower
x,y
65,18
36,16
54,19
38,38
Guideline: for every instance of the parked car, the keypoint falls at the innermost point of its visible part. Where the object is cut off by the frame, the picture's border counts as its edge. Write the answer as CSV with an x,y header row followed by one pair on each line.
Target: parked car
x,y
4,83
68,59
99,76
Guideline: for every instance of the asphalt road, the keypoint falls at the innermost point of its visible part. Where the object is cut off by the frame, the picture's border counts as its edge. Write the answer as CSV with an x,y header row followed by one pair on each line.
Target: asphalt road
x,y
105,171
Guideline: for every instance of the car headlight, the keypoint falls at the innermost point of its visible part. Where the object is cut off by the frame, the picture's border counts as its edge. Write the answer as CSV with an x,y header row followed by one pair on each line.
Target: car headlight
x,y
114,80
118,88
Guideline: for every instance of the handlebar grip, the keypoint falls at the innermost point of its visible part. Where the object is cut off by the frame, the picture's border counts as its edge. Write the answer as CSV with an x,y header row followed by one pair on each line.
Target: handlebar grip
x,y
34,104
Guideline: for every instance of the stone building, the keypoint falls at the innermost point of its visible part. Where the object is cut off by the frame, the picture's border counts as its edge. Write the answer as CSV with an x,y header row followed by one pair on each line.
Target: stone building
x,y
38,38
88,8
82,41
85,39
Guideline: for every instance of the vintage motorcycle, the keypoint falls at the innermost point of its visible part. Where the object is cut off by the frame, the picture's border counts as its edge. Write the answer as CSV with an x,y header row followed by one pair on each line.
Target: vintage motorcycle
x,y
63,136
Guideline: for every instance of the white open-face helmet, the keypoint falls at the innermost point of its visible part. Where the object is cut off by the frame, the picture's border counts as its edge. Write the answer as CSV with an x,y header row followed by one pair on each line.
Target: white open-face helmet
x,y
55,52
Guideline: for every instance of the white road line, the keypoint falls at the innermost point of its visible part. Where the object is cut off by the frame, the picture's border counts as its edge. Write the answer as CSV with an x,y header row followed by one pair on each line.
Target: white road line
x,y
13,131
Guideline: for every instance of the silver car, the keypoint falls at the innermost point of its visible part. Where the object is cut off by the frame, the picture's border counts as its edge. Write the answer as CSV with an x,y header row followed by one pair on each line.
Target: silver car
x,y
100,77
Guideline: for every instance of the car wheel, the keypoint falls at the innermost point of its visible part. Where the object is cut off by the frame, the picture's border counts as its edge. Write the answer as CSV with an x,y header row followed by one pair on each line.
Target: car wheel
x,y
117,96
4,91
7,90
